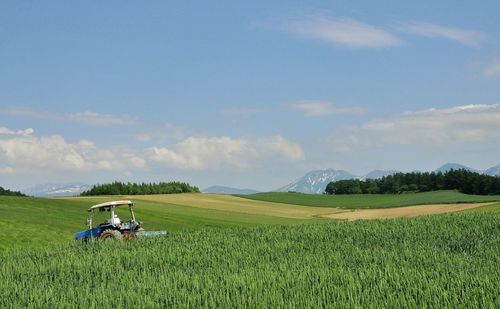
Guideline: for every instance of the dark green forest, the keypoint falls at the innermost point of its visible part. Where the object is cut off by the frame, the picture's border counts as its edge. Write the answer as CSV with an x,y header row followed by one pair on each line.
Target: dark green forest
x,y
7,192
462,180
122,188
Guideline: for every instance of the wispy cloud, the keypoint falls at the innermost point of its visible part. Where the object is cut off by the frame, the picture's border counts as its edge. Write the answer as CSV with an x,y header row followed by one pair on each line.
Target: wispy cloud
x,y
163,133
322,108
492,69
241,111
342,31
460,124
86,118
463,36
96,119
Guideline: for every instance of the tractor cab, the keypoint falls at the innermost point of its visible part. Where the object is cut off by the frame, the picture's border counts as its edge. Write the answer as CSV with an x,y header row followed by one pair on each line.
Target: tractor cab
x,y
113,227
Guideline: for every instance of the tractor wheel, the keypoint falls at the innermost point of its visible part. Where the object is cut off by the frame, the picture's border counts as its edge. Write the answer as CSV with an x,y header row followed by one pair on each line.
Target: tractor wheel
x,y
111,234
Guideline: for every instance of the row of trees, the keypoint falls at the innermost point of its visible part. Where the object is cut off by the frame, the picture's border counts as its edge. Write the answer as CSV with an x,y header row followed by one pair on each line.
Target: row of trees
x,y
121,188
8,192
462,180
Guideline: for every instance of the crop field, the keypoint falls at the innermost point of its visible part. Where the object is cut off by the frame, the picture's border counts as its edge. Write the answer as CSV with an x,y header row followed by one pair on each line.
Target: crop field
x,y
408,211
28,222
372,200
31,222
433,261
226,251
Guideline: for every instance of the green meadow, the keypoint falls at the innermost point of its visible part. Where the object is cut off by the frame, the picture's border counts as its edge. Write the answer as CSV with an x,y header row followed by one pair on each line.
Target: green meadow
x,y
232,252
445,261
371,200
28,222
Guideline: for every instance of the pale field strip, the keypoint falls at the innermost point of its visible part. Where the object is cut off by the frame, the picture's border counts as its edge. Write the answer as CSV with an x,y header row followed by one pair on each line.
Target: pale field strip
x,y
399,212
241,205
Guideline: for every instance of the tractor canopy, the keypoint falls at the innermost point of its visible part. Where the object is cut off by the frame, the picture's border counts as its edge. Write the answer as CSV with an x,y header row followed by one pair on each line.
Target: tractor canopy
x,y
111,204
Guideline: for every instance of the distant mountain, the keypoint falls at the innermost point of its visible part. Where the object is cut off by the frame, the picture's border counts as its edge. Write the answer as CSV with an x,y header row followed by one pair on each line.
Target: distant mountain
x,y
228,190
47,190
377,174
493,171
454,166
315,182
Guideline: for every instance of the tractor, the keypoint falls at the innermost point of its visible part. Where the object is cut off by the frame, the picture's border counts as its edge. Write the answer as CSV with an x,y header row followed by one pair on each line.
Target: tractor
x,y
113,227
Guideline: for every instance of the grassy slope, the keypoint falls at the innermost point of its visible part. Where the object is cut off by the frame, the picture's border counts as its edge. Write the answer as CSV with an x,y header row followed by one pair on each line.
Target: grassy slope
x,y
371,200
445,261
27,222
37,222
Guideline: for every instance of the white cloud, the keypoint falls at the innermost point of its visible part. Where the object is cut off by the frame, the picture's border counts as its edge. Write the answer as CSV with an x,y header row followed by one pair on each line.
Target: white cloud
x,y
342,31
87,118
321,108
206,153
492,69
459,124
430,30
25,150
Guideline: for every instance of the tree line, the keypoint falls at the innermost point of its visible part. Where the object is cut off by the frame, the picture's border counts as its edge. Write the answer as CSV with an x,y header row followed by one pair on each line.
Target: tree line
x,y
122,188
464,181
7,192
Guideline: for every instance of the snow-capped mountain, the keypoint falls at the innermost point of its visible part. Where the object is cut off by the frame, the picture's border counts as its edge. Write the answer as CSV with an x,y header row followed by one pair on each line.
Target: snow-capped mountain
x,y
493,171
315,182
47,190
377,174
228,190
454,166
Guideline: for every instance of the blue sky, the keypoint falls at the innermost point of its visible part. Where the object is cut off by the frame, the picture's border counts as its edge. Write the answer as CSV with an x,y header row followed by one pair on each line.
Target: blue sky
x,y
248,94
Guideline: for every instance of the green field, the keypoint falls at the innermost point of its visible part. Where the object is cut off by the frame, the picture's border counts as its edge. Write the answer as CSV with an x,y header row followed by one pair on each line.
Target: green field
x,y
445,261
28,222
226,252
371,200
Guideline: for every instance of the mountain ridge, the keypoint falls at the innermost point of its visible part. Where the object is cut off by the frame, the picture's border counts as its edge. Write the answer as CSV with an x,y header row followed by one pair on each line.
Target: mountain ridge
x,y
55,190
216,189
315,182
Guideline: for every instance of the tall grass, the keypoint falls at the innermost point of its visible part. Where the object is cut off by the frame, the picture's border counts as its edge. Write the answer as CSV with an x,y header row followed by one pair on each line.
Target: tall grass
x,y
442,261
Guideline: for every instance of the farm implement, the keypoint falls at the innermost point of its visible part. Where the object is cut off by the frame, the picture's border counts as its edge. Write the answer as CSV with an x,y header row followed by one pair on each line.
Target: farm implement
x,y
113,227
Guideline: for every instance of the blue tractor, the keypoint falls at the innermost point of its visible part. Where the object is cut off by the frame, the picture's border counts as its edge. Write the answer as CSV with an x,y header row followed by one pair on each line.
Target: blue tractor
x,y
113,227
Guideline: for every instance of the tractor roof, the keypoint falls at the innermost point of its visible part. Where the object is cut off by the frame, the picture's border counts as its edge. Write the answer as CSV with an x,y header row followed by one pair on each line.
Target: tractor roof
x,y
113,203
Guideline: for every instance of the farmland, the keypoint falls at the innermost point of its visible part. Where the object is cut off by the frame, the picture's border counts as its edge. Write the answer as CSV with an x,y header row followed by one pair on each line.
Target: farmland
x,y
226,251
436,261
372,200
28,222
58,218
